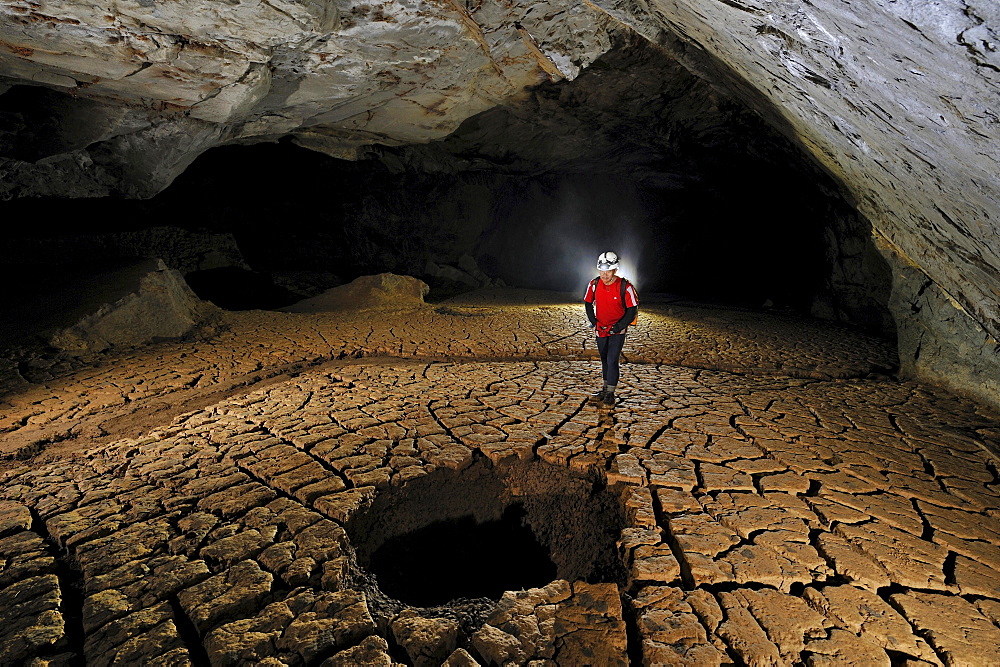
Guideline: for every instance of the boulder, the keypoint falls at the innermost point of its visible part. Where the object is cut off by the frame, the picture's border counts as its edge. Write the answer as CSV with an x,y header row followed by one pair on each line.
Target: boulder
x,y
132,305
382,291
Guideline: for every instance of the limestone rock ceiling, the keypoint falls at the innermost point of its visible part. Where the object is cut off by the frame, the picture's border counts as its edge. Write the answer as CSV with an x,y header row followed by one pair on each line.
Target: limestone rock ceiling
x,y
895,99
339,75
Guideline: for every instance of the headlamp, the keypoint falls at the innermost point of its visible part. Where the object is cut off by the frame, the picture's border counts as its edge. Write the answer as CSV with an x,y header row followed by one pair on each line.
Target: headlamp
x,y
607,261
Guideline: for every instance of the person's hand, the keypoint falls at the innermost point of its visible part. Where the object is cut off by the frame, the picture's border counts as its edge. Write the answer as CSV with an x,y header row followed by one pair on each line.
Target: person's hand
x,y
618,328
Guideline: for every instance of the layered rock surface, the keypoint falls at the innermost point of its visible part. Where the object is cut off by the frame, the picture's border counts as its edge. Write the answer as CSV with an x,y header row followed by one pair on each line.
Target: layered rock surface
x,y
778,511
169,81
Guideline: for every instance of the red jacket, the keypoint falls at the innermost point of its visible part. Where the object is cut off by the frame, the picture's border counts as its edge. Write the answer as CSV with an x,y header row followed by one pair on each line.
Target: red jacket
x,y
608,306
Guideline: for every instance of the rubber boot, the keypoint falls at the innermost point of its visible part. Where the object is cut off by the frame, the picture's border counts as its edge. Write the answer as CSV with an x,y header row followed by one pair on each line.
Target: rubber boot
x,y
609,397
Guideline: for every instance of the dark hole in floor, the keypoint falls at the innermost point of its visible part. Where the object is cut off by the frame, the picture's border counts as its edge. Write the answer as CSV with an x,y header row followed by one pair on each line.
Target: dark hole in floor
x,y
460,558
474,533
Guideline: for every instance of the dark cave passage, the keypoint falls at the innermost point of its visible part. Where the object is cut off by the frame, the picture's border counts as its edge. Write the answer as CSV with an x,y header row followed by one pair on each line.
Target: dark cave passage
x,y
234,288
741,243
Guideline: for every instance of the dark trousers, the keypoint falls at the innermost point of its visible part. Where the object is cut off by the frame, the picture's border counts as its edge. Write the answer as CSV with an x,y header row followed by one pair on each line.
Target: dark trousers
x,y
610,348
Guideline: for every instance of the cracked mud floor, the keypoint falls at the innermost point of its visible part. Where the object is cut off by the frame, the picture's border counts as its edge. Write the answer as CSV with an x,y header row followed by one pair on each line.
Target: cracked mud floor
x,y
766,493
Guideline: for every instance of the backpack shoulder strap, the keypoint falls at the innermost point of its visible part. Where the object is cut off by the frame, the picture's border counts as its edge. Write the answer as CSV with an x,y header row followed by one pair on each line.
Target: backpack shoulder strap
x,y
625,285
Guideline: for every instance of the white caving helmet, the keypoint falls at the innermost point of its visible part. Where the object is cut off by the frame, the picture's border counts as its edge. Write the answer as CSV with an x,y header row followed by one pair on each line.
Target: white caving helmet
x,y
608,261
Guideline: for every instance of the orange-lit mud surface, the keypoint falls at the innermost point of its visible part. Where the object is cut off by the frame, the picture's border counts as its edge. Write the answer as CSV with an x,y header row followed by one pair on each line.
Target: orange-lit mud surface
x,y
764,492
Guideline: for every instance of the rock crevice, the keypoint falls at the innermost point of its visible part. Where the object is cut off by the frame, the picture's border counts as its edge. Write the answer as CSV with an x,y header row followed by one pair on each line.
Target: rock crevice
x,y
893,101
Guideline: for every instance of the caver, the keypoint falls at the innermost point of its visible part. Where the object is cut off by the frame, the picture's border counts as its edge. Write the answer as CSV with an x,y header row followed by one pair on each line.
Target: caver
x,y
612,305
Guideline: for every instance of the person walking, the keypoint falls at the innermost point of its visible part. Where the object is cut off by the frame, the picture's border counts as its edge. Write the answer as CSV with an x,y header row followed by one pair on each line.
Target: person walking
x,y
612,304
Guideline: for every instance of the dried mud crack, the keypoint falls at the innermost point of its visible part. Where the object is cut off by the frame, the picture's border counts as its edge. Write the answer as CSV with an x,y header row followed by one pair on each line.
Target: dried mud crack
x,y
310,507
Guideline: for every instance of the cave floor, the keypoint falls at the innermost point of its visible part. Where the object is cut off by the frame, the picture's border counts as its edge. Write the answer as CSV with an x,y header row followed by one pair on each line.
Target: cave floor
x,y
782,499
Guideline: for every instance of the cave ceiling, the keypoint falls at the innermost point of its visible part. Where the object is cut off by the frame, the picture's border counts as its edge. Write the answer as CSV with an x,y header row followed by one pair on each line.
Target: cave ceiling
x,y
897,101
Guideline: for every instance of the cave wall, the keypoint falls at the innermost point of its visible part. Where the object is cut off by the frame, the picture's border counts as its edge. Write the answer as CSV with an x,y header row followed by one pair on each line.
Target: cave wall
x,y
896,100
65,241
857,286
937,340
